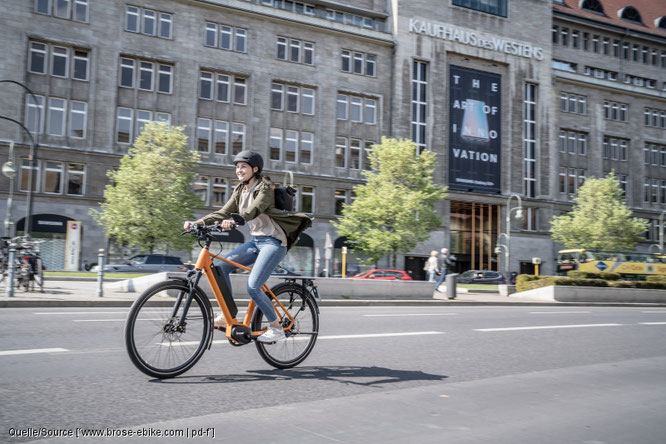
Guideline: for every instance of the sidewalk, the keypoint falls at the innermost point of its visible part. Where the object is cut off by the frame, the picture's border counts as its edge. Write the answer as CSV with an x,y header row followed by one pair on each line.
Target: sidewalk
x,y
78,293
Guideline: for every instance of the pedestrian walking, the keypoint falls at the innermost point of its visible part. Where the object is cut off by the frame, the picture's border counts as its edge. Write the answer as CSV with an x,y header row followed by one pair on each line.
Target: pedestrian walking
x,y
444,263
431,266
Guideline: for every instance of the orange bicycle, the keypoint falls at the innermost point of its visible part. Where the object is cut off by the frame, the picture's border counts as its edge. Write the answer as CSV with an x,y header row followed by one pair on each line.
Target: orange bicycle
x,y
170,325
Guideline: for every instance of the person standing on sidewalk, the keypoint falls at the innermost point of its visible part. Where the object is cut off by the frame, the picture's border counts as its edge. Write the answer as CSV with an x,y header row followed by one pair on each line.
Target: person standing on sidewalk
x,y
431,266
444,263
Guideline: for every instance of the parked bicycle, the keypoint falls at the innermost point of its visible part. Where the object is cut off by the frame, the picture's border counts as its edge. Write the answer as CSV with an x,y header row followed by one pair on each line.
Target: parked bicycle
x,y
170,325
28,265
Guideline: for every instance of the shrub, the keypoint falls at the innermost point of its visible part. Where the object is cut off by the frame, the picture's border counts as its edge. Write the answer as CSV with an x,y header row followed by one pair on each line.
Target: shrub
x,y
656,278
526,282
582,282
651,285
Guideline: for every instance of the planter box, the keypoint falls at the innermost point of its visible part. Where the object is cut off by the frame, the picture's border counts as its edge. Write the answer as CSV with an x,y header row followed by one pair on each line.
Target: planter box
x,y
564,293
328,288
506,290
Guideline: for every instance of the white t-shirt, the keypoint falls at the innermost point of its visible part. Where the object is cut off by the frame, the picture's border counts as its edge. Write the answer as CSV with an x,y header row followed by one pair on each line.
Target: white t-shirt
x,y
261,225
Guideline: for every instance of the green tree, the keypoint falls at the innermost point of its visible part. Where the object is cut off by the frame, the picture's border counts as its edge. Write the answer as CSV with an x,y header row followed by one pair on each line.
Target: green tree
x,y
150,194
600,219
395,209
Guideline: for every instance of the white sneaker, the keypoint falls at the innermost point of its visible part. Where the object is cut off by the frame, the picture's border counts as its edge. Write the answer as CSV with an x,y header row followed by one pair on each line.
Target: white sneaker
x,y
272,335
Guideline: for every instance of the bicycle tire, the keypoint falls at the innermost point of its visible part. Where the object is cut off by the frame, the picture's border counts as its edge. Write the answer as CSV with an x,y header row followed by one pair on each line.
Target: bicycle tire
x,y
148,330
301,337
39,273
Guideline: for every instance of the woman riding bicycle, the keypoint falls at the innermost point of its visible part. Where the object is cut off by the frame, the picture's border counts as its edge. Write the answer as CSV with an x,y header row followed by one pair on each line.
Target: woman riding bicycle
x,y
273,233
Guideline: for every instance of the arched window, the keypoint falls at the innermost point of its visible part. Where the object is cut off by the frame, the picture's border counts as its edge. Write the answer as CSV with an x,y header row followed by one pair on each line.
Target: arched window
x,y
592,5
661,22
631,14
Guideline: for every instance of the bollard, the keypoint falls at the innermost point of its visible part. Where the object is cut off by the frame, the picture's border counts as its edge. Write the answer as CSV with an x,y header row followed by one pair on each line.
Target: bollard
x,y
100,272
10,271
451,282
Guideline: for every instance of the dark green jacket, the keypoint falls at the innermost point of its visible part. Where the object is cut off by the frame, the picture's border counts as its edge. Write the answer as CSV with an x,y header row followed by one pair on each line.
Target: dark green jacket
x,y
293,224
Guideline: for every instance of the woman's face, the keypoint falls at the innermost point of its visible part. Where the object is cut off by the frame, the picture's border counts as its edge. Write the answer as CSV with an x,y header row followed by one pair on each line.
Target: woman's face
x,y
244,171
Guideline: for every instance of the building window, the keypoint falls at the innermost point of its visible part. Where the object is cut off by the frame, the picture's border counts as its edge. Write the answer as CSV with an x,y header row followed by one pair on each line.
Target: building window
x,y
225,37
357,109
296,51
495,7
80,65
352,152
341,152
306,199
150,76
419,103
572,103
34,114
655,118
297,100
654,154
53,177
37,58
530,219
148,22
352,19
203,135
600,73
340,201
529,140
59,61
56,117
571,179
64,9
201,188
358,63
237,138
294,147
615,149
75,179
219,191
24,178
615,111
342,108
127,127
77,119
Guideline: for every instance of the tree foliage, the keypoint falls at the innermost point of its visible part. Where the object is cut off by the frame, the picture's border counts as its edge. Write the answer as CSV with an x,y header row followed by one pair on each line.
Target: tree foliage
x,y
600,219
150,194
394,210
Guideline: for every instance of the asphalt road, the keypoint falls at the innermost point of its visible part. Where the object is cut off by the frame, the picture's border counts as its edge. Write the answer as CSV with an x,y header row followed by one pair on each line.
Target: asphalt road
x,y
376,375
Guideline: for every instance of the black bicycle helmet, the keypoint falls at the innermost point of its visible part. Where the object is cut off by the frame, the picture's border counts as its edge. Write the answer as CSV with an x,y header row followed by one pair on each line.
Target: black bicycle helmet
x,y
251,158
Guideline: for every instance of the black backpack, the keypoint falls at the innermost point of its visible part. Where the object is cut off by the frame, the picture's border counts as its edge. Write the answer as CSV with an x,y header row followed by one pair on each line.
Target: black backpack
x,y
285,196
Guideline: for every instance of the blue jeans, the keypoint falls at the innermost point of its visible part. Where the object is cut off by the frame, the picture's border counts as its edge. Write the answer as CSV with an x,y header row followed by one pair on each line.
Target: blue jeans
x,y
265,253
441,278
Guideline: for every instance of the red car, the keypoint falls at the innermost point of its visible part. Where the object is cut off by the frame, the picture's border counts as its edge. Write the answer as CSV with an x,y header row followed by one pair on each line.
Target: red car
x,y
384,275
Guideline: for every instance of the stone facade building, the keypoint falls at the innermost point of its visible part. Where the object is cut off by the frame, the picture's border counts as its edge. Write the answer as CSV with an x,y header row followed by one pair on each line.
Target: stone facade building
x,y
508,107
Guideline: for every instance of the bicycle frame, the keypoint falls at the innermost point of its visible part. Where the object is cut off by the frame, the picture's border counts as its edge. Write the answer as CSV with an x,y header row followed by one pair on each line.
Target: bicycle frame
x,y
204,265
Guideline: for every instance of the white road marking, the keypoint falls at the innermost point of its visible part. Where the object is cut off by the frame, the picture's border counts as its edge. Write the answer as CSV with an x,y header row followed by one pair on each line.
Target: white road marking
x,y
30,351
544,327
81,312
654,311
115,320
409,314
653,323
558,312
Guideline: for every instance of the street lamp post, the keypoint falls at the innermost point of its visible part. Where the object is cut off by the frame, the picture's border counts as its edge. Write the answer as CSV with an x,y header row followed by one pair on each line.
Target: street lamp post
x,y
507,236
33,153
9,170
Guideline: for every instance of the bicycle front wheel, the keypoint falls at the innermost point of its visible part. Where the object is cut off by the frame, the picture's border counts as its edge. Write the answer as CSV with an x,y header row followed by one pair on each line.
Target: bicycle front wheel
x,y
155,343
300,338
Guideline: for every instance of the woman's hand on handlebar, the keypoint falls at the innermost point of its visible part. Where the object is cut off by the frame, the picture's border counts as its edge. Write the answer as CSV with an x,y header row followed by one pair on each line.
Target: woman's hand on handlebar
x,y
188,224
227,225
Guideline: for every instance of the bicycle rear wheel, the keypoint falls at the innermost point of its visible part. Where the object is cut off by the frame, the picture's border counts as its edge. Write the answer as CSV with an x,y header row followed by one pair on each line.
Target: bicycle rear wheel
x,y
154,343
301,338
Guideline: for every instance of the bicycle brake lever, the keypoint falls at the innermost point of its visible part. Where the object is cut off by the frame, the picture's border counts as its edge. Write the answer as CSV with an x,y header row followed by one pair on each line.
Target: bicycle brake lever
x,y
238,219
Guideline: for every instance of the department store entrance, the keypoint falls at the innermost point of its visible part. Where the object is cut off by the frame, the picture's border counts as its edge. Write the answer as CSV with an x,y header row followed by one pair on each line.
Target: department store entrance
x,y
474,229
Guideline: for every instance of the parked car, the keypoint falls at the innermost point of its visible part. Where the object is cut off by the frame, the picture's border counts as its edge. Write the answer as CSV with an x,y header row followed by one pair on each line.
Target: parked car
x,y
384,275
147,263
481,277
281,271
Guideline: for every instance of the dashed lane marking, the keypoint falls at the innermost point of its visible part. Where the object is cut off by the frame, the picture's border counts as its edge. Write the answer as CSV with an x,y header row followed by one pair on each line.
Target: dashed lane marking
x,y
545,327
32,351
408,314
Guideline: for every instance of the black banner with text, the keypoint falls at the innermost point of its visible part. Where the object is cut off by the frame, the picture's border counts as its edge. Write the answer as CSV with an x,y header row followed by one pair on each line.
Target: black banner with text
x,y
475,119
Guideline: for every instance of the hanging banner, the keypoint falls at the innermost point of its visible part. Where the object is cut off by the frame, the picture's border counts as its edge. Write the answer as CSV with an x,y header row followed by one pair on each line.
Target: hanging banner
x,y
73,246
475,118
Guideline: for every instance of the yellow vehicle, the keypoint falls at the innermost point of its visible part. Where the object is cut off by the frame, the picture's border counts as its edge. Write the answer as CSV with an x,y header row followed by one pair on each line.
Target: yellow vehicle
x,y
629,265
